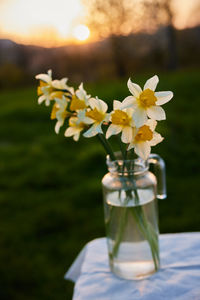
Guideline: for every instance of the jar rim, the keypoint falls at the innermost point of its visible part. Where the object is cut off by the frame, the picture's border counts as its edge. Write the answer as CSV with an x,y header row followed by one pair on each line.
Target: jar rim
x,y
134,166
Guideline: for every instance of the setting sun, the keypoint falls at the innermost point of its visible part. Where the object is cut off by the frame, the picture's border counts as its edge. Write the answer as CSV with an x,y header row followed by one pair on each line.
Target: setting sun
x,y
81,32
43,22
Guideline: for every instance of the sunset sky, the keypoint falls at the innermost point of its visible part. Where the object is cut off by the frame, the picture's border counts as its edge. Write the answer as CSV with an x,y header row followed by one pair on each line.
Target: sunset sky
x,y
50,22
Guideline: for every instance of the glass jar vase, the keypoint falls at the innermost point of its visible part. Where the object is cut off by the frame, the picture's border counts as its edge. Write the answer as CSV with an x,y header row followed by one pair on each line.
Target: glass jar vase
x,y
130,193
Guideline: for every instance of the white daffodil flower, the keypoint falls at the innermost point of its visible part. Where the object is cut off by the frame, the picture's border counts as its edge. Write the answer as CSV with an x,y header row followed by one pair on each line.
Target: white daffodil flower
x,y
79,99
59,112
45,88
122,121
144,137
76,125
146,102
96,116
50,89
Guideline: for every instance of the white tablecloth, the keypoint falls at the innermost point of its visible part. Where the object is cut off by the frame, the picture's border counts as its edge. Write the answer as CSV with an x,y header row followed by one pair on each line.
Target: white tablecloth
x,y
178,278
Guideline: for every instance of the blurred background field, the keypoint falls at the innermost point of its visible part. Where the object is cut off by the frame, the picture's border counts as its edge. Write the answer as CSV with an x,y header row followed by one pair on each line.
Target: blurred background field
x,y
51,202
50,186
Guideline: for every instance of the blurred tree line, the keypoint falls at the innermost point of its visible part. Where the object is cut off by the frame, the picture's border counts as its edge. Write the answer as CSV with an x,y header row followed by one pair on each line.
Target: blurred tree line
x,y
133,36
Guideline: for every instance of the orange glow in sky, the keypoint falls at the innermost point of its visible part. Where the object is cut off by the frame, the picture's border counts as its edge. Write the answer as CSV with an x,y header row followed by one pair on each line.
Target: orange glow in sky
x,y
46,22
57,22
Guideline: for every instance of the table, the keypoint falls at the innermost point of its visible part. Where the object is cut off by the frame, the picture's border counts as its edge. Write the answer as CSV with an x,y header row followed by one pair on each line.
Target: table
x,y
177,279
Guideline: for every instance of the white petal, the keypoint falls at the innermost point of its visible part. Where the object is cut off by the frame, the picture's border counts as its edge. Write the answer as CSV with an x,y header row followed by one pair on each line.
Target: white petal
x,y
64,80
143,149
129,102
76,137
151,83
88,120
47,102
49,72
98,104
60,84
81,93
129,112
41,99
156,113
81,86
152,124
134,88
56,84
93,103
127,134
102,105
163,97
139,116
81,115
99,129
113,129
71,131
58,125
44,77
157,138
107,117
117,104
131,145
92,131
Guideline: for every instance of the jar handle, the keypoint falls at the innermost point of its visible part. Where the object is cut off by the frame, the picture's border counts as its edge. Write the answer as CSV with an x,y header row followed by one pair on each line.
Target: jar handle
x,y
159,171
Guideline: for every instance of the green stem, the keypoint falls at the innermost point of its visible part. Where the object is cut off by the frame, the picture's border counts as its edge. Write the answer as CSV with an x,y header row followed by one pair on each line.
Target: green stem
x,y
123,152
120,231
148,232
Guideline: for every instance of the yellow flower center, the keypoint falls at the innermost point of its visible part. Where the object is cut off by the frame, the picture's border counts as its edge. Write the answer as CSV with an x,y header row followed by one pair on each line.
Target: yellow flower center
x,y
77,103
43,84
57,94
95,115
39,92
65,114
144,134
82,125
55,108
147,98
119,117
73,122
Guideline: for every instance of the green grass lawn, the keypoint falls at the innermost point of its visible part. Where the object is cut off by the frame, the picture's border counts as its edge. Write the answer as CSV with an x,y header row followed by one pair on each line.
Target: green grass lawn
x,y
50,186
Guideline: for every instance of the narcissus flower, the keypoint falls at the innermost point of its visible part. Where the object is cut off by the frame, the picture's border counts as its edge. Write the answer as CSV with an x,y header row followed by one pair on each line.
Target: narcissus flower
x,y
146,102
76,125
96,116
144,137
50,89
122,121
45,88
79,99
59,112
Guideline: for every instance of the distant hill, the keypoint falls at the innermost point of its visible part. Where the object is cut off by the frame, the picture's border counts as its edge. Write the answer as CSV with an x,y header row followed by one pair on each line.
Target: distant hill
x,y
97,60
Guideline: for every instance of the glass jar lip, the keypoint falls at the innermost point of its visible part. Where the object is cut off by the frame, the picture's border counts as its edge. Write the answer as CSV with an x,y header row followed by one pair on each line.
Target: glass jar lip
x,y
134,166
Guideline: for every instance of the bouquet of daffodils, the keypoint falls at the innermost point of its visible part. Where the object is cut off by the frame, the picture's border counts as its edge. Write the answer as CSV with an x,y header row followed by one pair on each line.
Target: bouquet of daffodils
x,y
135,118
